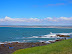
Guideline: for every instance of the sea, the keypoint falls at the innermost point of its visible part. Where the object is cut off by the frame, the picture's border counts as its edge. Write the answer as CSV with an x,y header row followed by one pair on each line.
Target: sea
x,y
19,34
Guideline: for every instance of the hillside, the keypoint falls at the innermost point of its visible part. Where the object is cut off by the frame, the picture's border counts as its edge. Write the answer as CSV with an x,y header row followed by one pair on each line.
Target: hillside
x,y
61,47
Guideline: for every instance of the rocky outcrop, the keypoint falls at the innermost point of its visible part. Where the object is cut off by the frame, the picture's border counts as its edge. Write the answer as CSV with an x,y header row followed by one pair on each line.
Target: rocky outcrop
x,y
63,35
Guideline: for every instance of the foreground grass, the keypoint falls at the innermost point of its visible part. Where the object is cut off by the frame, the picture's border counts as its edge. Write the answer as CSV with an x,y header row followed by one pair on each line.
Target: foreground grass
x,y
61,47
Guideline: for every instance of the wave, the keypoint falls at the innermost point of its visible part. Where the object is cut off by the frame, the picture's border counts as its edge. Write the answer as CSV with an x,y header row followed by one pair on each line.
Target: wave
x,y
1,43
51,35
40,38
49,41
64,33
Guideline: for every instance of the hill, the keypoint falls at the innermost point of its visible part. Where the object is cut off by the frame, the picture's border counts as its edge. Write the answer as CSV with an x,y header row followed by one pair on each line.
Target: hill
x,y
61,47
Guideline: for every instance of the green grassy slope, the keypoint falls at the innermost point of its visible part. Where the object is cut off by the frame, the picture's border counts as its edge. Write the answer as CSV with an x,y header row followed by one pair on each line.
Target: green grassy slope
x,y
61,47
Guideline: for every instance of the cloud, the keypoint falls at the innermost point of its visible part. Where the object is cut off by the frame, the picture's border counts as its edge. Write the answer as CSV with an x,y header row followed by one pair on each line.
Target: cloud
x,y
60,19
48,20
51,19
57,4
8,19
65,18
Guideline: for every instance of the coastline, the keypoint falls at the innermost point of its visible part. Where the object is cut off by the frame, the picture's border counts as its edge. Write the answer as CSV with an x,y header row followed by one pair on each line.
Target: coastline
x,y
9,48
38,26
61,47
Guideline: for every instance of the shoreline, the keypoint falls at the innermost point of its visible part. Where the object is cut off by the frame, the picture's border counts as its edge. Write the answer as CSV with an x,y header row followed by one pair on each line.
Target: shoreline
x,y
31,42
61,47
9,48
40,26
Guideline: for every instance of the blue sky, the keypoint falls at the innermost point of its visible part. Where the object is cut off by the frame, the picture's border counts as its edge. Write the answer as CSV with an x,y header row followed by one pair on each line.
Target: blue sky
x,y
40,9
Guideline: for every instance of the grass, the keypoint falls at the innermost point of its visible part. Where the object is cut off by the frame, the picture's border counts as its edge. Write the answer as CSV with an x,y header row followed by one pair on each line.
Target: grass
x,y
61,47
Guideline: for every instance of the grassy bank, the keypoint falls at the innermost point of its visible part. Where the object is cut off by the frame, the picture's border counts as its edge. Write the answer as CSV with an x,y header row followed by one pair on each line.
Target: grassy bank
x,y
61,47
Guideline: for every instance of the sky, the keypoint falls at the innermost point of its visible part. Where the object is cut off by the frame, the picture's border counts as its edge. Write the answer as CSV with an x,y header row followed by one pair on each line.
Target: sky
x,y
35,12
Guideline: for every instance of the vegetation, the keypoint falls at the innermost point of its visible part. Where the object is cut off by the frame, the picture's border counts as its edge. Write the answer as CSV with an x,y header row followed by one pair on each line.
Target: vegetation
x,y
61,47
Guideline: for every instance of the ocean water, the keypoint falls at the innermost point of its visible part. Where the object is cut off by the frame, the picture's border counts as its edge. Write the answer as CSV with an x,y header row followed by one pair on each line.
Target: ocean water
x,y
12,34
